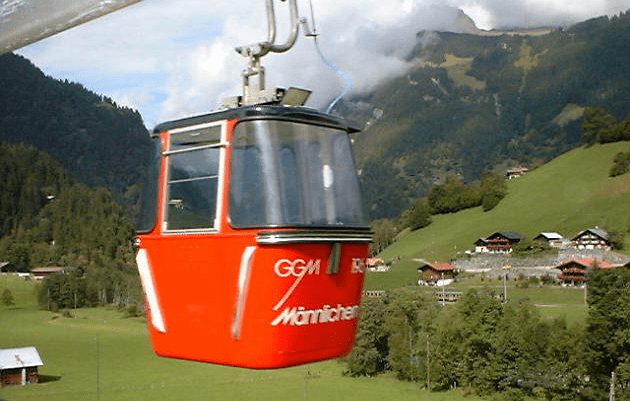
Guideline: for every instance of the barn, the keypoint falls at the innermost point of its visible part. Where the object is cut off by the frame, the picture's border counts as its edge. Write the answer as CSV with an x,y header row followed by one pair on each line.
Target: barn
x,y
18,366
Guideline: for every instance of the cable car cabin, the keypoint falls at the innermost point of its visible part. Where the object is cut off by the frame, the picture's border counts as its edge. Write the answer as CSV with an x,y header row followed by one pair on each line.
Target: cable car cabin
x,y
256,253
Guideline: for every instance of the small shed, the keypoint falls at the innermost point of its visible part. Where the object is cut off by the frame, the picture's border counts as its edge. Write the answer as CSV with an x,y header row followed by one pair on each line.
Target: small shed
x,y
551,239
515,172
18,366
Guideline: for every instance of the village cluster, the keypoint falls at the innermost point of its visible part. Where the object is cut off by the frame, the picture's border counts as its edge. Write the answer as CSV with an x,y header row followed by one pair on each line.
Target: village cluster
x,y
568,272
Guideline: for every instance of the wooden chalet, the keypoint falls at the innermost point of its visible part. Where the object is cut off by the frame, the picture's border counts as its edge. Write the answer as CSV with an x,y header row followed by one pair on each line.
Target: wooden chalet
x,y
550,239
18,366
499,242
593,238
516,172
376,265
432,272
573,271
39,273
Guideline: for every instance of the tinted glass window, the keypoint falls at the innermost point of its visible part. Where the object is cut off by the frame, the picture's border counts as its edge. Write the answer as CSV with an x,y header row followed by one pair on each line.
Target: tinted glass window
x,y
145,221
291,174
193,173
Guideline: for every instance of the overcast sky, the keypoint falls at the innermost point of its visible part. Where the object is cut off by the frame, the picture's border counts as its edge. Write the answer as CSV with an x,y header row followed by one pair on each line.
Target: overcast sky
x,y
175,58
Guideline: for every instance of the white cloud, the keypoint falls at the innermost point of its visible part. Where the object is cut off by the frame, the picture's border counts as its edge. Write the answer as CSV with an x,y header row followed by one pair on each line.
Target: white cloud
x,y
172,58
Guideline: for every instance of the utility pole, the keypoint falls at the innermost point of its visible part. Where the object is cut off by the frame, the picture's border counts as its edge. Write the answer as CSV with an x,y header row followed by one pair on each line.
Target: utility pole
x,y
443,290
611,396
98,379
585,294
505,277
428,367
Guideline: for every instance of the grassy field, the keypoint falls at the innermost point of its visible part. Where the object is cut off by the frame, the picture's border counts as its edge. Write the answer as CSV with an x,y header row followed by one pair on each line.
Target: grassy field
x,y
98,355
551,301
567,195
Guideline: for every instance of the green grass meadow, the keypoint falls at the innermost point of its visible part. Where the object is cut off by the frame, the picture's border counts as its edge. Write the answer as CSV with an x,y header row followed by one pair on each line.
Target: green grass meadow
x,y
567,195
98,355
551,301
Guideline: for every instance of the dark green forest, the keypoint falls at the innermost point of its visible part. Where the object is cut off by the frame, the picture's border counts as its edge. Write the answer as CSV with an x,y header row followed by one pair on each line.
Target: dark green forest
x,y
72,167
505,350
486,102
98,142
47,219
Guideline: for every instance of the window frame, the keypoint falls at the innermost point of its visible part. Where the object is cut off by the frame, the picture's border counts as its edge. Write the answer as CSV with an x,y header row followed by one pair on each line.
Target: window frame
x,y
221,145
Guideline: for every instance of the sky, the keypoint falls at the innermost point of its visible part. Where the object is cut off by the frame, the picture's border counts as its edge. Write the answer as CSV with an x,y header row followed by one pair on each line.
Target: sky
x,y
175,58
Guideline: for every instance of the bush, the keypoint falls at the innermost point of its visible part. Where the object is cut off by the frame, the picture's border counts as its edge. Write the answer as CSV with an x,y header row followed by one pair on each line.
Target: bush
x,y
132,310
616,239
511,394
419,216
621,164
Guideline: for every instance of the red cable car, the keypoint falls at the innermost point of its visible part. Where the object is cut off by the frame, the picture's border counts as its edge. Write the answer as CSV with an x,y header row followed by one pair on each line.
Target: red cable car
x,y
255,256
258,256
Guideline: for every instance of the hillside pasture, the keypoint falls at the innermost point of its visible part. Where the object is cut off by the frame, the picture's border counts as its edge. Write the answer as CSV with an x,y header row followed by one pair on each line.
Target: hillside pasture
x,y
22,289
571,193
97,355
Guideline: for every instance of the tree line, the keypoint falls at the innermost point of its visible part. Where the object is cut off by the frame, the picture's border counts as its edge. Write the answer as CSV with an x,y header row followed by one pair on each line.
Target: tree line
x,y
602,127
49,220
488,347
451,196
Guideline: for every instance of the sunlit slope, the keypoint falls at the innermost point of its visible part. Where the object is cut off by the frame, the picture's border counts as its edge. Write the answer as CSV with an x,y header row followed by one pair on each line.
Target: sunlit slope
x,y
571,193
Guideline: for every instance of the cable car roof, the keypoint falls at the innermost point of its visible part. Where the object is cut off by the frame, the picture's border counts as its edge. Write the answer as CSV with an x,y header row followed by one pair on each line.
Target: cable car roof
x,y
261,112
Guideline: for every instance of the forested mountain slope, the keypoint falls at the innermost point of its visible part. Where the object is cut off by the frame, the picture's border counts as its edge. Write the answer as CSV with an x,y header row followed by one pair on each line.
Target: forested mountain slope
x,y
98,142
473,102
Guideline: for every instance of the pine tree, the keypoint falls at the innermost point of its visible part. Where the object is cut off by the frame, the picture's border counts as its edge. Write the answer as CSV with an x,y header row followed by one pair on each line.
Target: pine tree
x,y
7,297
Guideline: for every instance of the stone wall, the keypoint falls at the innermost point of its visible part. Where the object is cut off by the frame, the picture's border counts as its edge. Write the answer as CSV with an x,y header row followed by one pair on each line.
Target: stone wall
x,y
492,265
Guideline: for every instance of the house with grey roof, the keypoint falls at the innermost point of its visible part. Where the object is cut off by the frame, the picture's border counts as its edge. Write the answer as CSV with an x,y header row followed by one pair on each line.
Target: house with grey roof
x,y
593,238
499,242
552,239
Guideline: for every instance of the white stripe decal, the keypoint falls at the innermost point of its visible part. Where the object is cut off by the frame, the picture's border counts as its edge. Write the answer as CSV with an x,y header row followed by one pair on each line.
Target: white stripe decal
x,y
243,286
146,277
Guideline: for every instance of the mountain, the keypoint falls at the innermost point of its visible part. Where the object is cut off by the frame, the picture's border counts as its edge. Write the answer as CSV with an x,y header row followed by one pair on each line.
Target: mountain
x,y
97,141
486,100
